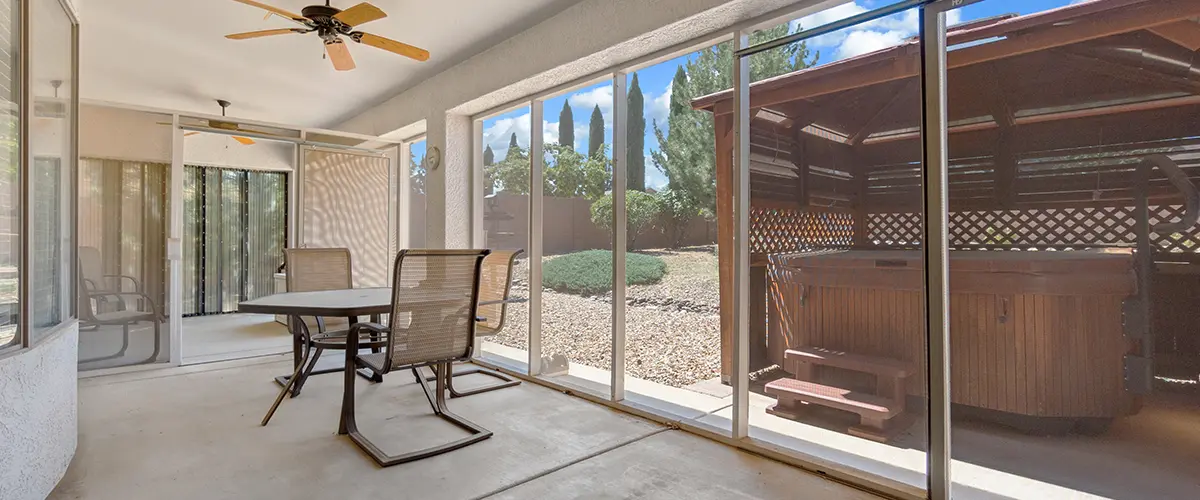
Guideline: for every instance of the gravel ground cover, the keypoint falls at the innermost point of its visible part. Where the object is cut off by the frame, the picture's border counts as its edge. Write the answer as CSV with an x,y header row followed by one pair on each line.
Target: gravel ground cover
x,y
672,327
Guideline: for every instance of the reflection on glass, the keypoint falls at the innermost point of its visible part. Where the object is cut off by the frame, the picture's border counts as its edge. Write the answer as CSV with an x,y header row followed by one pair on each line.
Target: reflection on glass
x,y
506,224
10,182
52,167
1074,344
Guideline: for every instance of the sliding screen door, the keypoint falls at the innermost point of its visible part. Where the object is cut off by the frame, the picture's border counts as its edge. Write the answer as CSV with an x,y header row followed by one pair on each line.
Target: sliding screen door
x,y
345,200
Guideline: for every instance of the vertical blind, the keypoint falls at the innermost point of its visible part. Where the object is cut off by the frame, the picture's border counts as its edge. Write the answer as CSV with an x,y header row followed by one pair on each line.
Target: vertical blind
x,y
123,214
345,200
235,230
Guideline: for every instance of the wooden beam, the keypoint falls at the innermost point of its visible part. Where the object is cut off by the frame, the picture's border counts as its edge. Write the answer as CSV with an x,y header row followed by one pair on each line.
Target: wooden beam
x,y
800,160
882,112
1100,64
1183,33
723,129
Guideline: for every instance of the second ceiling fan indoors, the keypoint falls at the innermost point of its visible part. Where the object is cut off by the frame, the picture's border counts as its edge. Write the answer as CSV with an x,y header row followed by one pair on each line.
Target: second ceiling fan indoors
x,y
331,24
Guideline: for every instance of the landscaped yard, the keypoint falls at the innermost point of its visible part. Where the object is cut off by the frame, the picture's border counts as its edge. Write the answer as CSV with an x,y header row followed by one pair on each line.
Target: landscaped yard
x,y
672,327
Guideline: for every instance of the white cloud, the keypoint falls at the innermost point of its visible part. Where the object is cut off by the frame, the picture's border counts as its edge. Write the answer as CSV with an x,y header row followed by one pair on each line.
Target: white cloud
x,y
499,133
660,107
864,37
654,178
862,42
600,96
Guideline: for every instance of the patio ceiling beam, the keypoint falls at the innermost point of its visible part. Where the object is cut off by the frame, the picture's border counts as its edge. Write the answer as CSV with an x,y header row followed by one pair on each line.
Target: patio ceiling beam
x,y
902,62
1183,33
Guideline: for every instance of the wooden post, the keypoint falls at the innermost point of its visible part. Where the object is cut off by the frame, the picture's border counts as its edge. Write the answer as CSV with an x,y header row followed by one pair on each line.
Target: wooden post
x,y
800,160
725,244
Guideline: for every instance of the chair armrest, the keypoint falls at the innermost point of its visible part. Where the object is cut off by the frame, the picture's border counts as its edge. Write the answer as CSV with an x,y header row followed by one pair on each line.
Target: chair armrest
x,y
360,328
137,285
105,293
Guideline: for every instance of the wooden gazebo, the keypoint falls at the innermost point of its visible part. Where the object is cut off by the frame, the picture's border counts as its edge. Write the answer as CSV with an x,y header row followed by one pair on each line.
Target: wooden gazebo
x,y
1053,118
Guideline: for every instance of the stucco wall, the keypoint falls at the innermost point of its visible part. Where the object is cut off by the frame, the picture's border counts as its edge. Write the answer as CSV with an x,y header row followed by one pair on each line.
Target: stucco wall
x,y
38,416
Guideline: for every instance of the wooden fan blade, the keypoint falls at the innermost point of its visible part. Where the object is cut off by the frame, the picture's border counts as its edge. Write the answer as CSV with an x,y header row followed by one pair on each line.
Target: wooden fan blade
x,y
188,134
257,34
390,45
244,140
290,15
360,14
340,55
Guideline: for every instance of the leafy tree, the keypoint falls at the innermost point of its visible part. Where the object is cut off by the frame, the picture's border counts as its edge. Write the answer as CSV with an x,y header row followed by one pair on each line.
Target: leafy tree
x,y
678,210
511,174
512,146
686,154
641,209
489,157
595,131
636,142
566,126
416,171
569,174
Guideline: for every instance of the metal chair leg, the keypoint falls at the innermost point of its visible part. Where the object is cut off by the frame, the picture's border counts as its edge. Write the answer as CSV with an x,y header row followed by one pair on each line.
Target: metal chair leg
x,y
505,382
120,353
300,368
442,374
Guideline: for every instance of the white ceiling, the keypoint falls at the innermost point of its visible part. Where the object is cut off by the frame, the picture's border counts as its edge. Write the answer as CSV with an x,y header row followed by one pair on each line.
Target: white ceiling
x,y
173,54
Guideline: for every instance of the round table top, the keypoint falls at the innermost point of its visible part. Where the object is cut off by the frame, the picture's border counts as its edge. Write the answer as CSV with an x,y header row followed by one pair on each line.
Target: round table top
x,y
334,303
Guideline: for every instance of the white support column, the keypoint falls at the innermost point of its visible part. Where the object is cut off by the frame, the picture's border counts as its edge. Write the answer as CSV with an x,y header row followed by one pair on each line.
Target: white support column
x,y
175,246
620,173
478,230
404,193
537,166
458,175
740,378
937,254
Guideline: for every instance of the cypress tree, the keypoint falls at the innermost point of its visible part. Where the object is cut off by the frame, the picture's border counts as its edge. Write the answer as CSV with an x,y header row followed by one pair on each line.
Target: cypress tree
x,y
566,126
512,146
595,132
636,140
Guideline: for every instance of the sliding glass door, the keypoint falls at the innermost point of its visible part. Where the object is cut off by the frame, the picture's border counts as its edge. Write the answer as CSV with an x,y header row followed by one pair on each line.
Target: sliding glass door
x,y
235,230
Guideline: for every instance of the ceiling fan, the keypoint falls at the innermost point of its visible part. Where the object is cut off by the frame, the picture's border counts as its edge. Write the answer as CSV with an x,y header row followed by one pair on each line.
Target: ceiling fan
x,y
331,24
229,126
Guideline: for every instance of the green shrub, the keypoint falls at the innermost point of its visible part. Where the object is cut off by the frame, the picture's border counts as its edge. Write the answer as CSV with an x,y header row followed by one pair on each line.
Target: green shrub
x,y
641,210
590,272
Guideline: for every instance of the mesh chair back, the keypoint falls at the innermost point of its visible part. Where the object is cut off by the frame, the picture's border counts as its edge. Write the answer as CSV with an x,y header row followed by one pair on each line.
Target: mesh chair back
x,y
434,295
91,268
318,269
495,283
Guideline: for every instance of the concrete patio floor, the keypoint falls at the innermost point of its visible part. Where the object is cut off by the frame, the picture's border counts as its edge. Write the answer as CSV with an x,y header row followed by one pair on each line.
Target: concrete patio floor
x,y
193,433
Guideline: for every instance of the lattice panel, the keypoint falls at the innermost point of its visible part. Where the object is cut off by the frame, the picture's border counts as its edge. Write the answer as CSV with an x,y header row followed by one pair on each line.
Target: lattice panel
x,y
785,230
1069,228
894,230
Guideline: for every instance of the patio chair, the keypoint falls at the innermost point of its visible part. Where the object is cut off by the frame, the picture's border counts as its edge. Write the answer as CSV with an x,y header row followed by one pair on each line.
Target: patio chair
x,y
495,283
91,269
434,296
91,296
315,270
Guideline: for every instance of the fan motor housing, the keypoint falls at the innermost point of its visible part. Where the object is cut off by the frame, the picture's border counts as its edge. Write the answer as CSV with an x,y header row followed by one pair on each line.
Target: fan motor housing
x,y
320,14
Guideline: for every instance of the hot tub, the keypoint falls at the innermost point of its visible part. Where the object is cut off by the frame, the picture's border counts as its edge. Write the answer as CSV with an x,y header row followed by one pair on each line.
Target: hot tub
x,y
1032,334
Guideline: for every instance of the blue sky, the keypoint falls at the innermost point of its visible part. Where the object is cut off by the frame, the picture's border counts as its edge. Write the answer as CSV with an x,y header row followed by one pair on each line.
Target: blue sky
x,y
655,81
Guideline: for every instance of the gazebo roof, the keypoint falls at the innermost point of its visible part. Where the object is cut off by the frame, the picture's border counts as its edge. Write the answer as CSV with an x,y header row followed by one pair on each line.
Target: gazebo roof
x,y
1093,78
